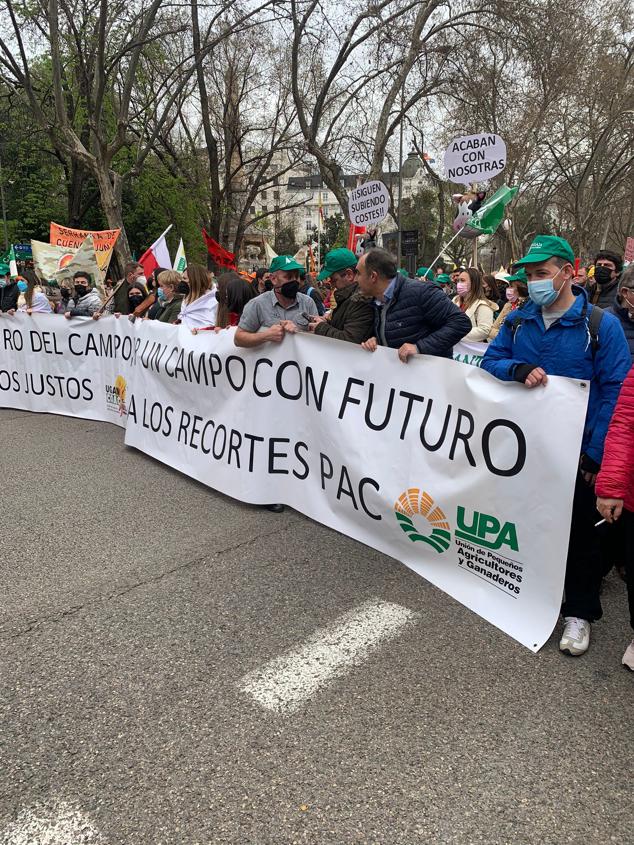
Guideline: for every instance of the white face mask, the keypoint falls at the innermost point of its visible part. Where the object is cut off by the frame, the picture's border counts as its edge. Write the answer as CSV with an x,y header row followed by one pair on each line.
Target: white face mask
x,y
141,280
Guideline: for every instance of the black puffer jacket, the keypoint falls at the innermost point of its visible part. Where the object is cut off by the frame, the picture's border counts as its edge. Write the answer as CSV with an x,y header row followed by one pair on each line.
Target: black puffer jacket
x,y
421,314
9,297
626,324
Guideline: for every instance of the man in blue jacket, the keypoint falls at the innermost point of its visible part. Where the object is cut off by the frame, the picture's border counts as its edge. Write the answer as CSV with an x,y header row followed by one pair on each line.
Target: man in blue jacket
x,y
556,333
412,317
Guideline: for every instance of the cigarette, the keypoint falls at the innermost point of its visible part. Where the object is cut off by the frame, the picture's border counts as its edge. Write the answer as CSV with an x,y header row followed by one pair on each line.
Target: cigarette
x,y
600,522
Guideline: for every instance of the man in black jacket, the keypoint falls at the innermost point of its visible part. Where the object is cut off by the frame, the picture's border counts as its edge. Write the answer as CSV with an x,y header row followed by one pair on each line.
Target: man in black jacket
x,y
607,269
353,318
9,292
410,317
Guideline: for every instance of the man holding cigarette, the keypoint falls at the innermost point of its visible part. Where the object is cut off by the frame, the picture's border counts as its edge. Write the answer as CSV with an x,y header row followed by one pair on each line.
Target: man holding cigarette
x,y
560,333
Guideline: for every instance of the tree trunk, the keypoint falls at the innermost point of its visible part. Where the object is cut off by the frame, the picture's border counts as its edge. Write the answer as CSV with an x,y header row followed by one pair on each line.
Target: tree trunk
x,y
75,188
110,196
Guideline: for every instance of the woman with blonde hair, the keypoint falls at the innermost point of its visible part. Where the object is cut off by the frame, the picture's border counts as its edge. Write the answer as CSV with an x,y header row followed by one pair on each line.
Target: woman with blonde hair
x,y
199,307
473,301
170,300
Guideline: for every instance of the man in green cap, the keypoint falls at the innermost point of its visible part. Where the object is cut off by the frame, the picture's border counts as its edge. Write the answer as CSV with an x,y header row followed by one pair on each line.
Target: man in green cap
x,y
559,332
283,309
9,292
425,274
353,318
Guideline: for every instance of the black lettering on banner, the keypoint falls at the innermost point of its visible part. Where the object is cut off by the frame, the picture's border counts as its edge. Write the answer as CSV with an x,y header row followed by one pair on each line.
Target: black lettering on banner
x,y
218,455
195,432
131,409
169,359
388,411
521,448
302,461
310,384
256,390
235,441
13,340
253,438
284,393
346,490
9,381
463,436
273,441
411,398
242,367
215,370
347,399
203,448
168,421
182,427
433,447
325,475
374,484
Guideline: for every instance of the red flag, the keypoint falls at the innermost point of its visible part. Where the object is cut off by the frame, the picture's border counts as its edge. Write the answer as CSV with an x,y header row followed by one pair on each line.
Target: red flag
x,y
352,236
220,255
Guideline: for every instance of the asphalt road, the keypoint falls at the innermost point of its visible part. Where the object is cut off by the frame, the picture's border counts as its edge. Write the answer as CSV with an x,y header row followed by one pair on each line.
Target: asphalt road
x,y
134,603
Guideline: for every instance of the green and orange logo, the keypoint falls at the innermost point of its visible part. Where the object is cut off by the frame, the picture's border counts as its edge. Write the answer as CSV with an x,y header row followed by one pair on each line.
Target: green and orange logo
x,y
414,503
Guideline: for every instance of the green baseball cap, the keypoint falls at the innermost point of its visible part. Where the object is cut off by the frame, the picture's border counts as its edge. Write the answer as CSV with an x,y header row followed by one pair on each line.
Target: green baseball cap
x,y
443,279
425,271
520,276
4,269
545,247
285,262
336,260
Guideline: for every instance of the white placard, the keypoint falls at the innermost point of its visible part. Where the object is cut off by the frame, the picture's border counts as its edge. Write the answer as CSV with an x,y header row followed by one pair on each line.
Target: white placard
x,y
368,204
474,158
435,463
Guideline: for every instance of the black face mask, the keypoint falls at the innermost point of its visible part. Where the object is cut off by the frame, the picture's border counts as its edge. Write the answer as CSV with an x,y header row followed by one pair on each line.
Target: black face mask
x,y
135,300
81,290
602,275
183,288
65,294
268,285
290,289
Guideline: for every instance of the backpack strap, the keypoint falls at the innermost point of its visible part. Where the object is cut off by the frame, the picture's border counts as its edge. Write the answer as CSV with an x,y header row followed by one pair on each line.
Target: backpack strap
x,y
310,290
594,321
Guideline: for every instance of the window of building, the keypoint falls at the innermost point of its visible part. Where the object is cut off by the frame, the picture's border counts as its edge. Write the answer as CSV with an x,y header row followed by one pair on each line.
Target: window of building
x,y
309,226
252,210
276,195
263,195
265,209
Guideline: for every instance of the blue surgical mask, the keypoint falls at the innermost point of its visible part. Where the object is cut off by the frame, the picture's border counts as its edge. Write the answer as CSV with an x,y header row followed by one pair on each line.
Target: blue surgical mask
x,y
161,294
543,292
3,283
22,286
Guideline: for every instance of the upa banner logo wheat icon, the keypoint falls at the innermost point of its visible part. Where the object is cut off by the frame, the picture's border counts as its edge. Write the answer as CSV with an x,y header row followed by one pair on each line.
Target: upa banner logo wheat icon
x,y
413,503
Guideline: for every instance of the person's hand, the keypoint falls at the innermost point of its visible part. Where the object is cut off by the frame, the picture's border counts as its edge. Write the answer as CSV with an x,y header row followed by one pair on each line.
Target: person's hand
x,y
314,321
67,315
589,477
276,333
11,312
29,311
406,351
96,315
117,314
535,378
288,326
610,509
369,345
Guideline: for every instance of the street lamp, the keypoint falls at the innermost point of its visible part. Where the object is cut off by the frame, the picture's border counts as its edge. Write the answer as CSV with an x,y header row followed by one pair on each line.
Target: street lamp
x,y
4,210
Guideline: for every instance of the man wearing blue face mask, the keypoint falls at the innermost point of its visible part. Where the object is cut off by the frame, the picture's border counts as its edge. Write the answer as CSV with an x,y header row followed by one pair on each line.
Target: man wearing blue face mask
x,y
558,332
9,292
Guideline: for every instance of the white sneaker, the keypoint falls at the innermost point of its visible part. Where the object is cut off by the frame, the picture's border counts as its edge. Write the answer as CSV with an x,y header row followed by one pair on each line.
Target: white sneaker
x,y
576,636
628,657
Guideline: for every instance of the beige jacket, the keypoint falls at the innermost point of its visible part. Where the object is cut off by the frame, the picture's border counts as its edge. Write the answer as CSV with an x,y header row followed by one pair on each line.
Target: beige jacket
x,y
481,313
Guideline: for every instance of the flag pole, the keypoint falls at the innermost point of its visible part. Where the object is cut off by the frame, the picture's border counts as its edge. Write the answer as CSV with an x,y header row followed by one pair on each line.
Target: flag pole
x,y
448,244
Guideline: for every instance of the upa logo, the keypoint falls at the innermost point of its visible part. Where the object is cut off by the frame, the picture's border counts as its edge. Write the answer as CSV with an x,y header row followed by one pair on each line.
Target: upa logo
x,y
485,530
415,503
116,396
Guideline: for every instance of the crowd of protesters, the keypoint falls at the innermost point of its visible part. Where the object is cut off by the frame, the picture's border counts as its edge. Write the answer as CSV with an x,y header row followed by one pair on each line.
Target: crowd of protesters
x,y
547,317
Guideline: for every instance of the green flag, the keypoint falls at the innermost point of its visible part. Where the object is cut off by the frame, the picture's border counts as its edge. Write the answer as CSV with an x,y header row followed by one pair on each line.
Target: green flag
x,y
490,214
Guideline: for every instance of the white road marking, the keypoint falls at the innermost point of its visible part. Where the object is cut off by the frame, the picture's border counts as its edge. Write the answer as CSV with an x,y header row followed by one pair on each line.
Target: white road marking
x,y
284,683
61,824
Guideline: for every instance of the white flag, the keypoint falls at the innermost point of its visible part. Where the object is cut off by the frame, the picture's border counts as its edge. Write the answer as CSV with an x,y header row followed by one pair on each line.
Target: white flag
x,y
180,262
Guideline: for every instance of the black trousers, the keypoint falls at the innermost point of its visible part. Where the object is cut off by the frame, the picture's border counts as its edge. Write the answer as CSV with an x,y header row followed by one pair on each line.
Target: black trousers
x,y
628,523
584,569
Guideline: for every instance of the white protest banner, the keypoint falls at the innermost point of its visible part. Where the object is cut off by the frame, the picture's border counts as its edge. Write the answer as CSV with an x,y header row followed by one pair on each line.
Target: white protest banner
x,y
473,158
368,204
441,479
469,352
79,368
